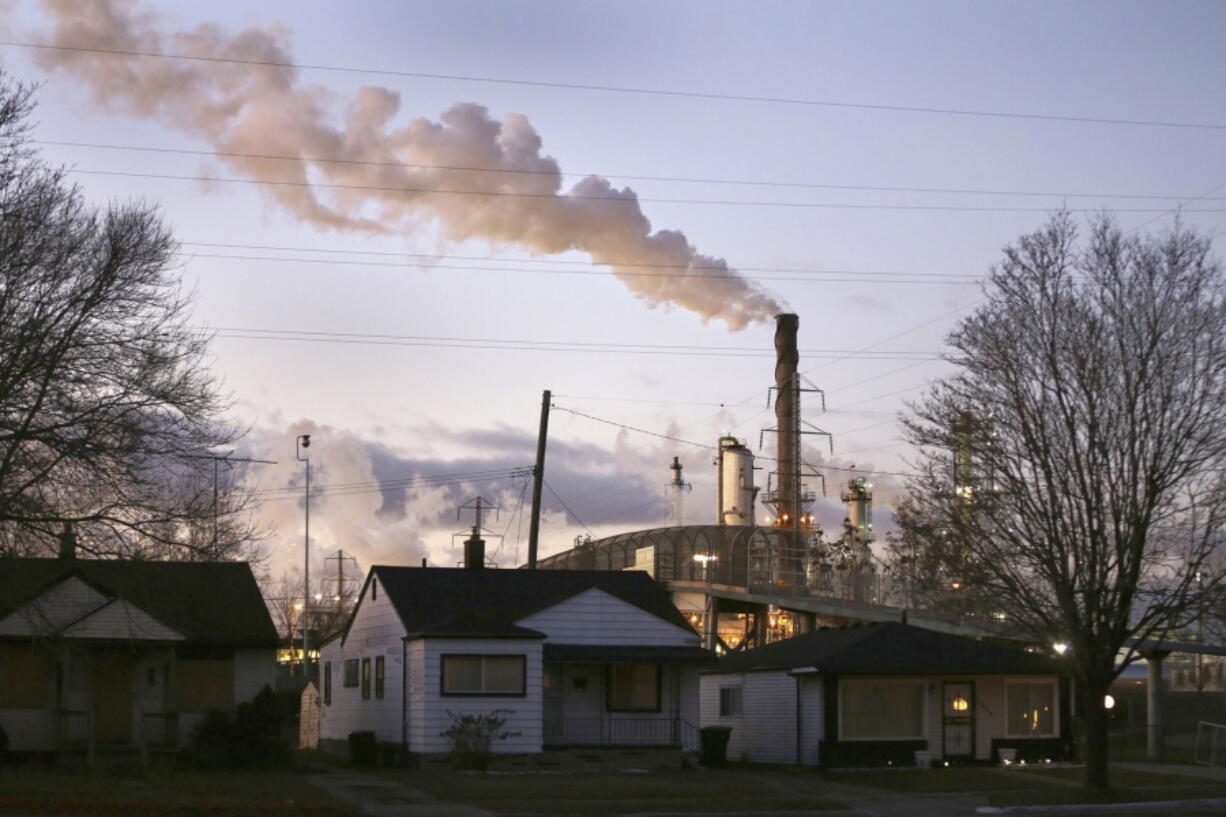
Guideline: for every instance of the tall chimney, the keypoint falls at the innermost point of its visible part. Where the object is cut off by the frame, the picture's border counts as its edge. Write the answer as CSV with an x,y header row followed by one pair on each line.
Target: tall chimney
x,y
474,551
787,420
68,542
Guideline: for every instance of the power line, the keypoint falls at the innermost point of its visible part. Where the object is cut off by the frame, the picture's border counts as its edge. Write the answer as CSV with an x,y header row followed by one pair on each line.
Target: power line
x,y
773,100
712,448
726,272
567,507
685,268
516,345
625,176
433,191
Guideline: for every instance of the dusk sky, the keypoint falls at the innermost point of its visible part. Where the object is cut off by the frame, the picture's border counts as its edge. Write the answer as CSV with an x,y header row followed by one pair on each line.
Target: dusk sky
x,y
399,264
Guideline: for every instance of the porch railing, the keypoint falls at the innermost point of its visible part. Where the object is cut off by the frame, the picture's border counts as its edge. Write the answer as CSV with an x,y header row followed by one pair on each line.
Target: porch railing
x,y
614,731
160,730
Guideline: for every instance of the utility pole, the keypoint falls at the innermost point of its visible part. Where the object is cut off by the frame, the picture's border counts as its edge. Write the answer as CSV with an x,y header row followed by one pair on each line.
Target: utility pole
x,y
538,477
340,559
304,441
228,460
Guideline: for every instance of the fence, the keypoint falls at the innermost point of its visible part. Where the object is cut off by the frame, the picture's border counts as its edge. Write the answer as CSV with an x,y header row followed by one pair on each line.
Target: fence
x,y
1210,744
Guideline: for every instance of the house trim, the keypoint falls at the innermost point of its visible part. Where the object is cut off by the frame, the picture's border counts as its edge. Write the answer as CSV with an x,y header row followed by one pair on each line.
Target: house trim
x,y
523,678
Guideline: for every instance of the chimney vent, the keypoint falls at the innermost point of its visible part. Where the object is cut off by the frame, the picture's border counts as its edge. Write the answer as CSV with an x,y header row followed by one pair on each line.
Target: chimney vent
x,y
68,542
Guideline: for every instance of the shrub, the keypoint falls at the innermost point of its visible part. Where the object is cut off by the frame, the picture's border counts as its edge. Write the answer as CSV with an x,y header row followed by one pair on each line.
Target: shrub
x,y
473,736
252,738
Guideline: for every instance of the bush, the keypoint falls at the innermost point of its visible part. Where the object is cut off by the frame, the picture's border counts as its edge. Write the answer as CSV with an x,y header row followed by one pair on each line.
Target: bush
x,y
473,736
252,738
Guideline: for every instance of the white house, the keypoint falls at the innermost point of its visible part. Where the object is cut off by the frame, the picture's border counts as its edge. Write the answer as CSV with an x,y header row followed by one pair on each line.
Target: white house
x,y
875,694
569,658
126,655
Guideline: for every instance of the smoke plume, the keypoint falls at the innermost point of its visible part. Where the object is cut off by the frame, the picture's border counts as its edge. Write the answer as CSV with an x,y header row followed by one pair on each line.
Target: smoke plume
x,y
386,167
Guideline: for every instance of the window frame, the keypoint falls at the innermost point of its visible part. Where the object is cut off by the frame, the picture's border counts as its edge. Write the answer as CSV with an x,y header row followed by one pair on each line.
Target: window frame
x,y
327,683
1054,684
366,678
380,669
726,709
523,677
922,683
349,674
608,696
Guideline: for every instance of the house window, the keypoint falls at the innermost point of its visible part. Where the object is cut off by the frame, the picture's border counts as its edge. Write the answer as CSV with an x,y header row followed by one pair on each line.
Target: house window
x,y
729,702
1031,709
634,687
378,676
365,678
327,682
483,674
882,710
351,673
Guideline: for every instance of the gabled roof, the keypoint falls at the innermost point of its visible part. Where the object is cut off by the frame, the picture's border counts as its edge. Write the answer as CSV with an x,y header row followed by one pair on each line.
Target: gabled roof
x,y
890,648
427,598
208,602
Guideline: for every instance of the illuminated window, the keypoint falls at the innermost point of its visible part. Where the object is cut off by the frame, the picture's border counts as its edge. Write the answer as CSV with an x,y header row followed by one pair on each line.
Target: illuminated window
x,y
634,687
483,674
1030,709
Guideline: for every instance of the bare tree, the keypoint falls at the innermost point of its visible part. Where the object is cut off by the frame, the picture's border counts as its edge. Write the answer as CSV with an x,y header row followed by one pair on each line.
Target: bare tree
x,y
108,411
1078,457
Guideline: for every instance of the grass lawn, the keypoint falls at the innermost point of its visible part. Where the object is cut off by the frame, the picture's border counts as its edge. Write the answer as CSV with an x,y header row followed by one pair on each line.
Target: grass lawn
x,y
931,781
38,790
613,793
1127,785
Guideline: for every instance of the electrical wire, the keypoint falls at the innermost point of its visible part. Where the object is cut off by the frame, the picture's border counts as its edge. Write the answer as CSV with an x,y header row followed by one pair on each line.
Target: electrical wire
x,y
626,176
567,507
685,268
773,100
726,273
632,199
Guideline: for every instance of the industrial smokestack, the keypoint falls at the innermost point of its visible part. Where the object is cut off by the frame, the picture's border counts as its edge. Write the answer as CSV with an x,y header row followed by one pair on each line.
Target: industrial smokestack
x,y
787,420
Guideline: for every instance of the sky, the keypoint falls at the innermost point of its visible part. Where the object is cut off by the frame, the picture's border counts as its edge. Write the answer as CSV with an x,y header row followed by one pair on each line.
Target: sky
x,y
424,220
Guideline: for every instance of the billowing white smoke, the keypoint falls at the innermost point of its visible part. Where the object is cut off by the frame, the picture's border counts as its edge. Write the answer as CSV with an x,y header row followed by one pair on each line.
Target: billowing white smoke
x,y
240,108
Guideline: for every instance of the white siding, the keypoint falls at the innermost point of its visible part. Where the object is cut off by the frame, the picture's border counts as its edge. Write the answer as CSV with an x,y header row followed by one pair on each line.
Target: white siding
x,y
29,730
765,731
812,718
120,620
61,605
595,617
376,630
429,714
253,669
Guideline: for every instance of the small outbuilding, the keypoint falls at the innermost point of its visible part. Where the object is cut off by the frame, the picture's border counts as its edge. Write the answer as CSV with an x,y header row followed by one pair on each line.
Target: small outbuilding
x,y
876,694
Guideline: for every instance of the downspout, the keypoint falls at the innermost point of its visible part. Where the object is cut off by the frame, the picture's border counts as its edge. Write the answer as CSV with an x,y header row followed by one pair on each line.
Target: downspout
x,y
404,701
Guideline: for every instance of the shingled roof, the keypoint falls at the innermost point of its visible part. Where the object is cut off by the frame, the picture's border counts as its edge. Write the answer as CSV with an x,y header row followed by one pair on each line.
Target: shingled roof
x,y
208,602
890,648
440,600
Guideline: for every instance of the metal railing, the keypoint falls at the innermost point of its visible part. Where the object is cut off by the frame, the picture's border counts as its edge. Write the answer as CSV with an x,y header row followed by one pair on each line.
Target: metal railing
x,y
1210,743
160,730
614,731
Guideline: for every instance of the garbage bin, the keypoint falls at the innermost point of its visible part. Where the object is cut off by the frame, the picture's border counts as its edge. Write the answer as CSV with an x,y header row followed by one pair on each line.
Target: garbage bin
x,y
362,748
714,752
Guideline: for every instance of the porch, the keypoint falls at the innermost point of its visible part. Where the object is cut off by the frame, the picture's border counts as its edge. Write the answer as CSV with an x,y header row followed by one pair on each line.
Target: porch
x,y
636,702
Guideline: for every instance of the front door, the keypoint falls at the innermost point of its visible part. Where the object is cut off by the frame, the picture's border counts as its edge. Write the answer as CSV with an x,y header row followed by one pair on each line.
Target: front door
x,y
958,720
112,694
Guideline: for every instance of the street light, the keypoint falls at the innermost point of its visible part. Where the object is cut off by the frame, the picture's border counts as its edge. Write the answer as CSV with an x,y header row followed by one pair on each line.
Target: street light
x,y
302,443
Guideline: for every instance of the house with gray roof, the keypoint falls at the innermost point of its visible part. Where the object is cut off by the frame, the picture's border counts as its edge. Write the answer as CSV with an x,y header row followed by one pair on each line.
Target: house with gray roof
x,y
567,658
876,694
106,654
